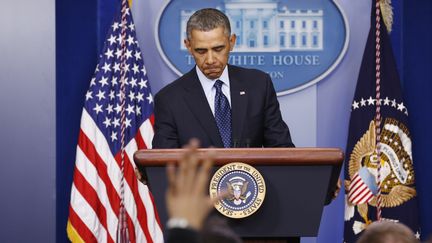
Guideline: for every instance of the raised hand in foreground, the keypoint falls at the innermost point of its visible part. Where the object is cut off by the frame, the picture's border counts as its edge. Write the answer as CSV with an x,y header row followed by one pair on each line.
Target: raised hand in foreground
x,y
188,202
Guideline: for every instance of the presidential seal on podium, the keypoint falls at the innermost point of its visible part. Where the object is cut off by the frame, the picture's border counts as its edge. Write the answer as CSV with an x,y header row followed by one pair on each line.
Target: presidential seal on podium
x,y
245,186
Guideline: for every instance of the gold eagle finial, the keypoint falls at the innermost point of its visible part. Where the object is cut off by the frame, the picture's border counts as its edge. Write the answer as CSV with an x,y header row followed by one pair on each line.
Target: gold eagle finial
x,y
387,13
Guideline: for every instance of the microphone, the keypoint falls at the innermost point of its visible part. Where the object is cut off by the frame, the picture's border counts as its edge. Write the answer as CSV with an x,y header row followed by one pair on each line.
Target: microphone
x,y
248,141
236,143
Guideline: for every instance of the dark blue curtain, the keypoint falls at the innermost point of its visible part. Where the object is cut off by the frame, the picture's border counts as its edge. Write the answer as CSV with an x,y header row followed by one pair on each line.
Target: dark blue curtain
x,y
81,26
417,84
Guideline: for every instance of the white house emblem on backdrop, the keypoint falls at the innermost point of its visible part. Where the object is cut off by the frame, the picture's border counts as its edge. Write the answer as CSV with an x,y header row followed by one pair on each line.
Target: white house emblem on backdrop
x,y
296,42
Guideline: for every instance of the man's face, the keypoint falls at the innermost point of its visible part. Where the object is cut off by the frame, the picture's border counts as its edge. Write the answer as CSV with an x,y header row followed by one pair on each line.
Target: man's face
x,y
210,50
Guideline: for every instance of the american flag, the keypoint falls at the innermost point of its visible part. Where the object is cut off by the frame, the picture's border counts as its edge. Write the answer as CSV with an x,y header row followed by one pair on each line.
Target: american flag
x,y
97,189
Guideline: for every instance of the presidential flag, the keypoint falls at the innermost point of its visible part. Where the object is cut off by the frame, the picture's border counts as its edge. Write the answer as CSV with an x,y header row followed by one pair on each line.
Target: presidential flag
x,y
116,121
379,173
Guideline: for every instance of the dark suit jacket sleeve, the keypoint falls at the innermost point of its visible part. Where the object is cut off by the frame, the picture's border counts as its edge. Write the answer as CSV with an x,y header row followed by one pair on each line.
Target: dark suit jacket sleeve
x,y
165,128
276,131
177,235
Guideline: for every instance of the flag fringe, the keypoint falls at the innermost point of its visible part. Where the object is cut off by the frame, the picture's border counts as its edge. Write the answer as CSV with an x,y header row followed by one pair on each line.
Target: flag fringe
x,y
73,234
387,14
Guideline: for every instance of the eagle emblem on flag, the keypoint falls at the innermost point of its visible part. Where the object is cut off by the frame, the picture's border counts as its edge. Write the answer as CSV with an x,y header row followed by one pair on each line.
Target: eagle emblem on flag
x,y
397,171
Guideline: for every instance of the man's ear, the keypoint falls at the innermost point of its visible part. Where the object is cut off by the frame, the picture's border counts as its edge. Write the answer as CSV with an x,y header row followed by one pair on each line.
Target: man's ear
x,y
187,44
232,40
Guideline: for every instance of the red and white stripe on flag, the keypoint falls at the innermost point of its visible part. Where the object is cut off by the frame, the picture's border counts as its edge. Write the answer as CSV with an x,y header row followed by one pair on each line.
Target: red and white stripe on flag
x,y
359,192
95,195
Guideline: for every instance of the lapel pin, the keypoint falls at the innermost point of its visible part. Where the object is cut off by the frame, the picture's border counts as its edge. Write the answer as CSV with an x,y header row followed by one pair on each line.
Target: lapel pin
x,y
242,93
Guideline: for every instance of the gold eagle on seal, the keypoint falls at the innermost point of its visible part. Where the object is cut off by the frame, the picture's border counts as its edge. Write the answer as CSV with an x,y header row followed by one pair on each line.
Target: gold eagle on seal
x,y
237,192
397,172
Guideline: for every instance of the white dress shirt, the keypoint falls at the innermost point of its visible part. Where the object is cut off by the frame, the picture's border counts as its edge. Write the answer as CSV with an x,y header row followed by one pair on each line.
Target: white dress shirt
x,y
210,90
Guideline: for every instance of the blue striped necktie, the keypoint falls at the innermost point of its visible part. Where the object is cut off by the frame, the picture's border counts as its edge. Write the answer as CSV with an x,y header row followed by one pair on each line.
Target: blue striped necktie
x,y
223,114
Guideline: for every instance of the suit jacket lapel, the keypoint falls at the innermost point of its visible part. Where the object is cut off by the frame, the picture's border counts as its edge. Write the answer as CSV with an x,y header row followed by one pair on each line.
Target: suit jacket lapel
x,y
238,106
199,106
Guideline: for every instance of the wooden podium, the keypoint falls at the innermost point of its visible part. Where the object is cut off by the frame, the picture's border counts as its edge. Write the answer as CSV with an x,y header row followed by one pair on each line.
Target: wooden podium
x,y
299,181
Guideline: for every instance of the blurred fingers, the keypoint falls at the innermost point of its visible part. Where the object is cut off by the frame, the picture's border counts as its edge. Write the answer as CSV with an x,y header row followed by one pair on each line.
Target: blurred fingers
x,y
171,177
203,174
187,166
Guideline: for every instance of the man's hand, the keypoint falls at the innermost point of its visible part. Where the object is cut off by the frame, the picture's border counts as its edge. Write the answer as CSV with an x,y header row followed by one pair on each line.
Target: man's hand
x,y
187,196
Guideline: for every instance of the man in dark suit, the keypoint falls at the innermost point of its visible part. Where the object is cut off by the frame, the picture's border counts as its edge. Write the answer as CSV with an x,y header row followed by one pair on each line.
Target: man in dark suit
x,y
219,104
